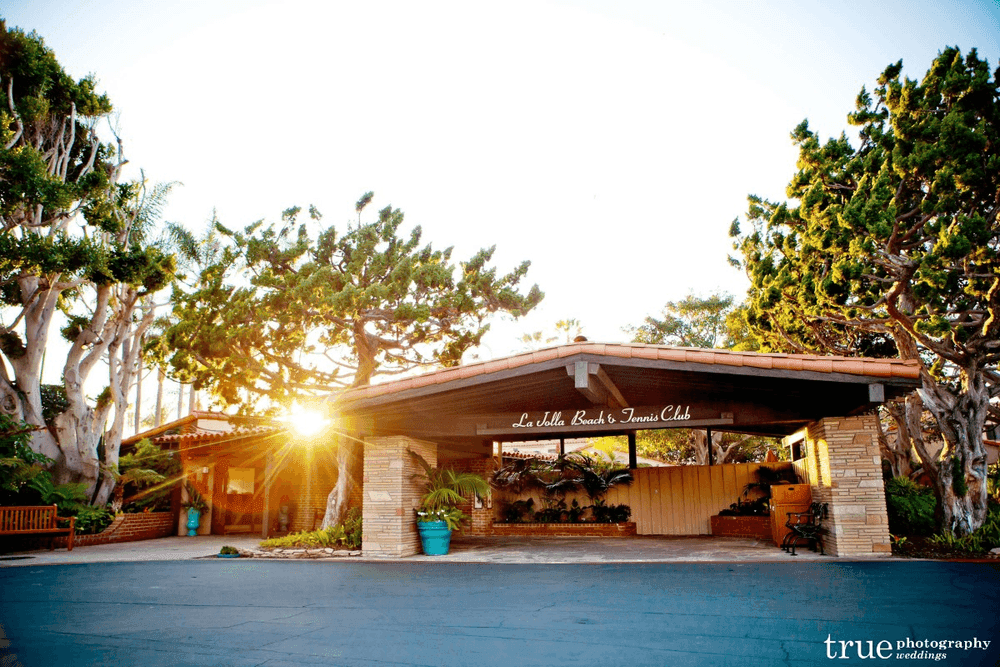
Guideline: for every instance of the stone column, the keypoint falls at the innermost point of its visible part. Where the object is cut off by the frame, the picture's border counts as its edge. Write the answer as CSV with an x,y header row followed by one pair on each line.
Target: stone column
x,y
845,471
391,495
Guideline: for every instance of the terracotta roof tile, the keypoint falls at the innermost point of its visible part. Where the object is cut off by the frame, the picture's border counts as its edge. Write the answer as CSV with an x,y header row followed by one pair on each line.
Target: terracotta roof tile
x,y
887,368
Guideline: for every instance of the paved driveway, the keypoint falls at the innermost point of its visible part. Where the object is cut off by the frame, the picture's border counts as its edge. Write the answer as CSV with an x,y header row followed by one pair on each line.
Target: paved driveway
x,y
254,612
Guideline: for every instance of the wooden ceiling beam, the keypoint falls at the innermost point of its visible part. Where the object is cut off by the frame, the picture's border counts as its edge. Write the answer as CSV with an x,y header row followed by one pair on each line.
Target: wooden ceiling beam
x,y
590,380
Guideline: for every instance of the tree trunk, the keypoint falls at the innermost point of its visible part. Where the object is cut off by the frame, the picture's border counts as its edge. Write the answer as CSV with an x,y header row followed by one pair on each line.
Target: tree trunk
x,y
336,501
896,448
959,471
158,417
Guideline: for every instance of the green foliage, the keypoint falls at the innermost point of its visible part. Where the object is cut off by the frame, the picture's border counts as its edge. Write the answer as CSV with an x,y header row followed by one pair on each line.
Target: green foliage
x,y
194,499
910,507
604,513
982,541
958,483
691,322
229,551
518,511
891,247
893,236
554,479
54,402
379,301
444,488
19,464
72,240
347,535
452,516
91,520
147,477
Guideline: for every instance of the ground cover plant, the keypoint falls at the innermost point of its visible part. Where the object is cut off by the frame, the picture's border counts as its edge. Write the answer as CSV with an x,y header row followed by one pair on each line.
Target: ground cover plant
x,y
911,508
346,535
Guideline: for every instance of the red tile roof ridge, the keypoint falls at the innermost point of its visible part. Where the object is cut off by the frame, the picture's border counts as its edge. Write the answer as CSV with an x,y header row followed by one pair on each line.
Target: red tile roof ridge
x,y
708,356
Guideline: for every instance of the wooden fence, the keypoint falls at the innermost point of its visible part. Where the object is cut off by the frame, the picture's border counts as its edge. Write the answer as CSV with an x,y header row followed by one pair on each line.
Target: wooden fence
x,y
679,500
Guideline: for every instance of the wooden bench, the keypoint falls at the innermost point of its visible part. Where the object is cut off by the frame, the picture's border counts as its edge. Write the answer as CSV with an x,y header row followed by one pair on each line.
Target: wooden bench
x,y
35,521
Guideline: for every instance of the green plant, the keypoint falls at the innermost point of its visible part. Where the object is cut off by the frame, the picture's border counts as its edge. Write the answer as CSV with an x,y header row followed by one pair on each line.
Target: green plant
x,y
554,511
518,511
452,516
984,539
444,489
92,520
228,551
910,507
347,534
604,513
148,475
194,501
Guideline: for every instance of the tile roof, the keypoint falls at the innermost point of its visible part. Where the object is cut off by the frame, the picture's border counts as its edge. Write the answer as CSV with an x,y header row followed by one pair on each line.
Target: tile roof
x,y
862,366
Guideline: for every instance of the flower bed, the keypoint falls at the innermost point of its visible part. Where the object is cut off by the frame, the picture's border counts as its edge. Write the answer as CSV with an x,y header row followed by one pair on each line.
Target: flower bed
x,y
590,529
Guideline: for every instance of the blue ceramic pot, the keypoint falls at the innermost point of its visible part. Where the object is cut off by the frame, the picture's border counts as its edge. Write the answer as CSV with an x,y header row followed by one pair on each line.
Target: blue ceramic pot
x,y
435,537
194,518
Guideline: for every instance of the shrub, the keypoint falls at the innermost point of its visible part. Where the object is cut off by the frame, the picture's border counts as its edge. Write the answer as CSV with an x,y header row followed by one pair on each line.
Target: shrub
x,y
910,507
347,534
979,542
92,520
610,513
228,551
518,511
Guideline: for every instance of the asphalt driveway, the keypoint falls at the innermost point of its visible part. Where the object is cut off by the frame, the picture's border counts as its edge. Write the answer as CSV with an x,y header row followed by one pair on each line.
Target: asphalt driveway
x,y
255,612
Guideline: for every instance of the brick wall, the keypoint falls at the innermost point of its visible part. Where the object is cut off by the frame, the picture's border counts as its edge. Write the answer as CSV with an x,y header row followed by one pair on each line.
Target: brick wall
x,y
391,495
128,528
845,472
481,519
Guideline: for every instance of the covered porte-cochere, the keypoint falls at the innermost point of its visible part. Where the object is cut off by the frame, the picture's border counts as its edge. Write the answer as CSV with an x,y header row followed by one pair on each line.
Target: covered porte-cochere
x,y
823,407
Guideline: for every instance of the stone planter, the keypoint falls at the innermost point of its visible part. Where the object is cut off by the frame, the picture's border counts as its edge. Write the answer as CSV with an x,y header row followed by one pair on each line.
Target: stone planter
x,y
741,526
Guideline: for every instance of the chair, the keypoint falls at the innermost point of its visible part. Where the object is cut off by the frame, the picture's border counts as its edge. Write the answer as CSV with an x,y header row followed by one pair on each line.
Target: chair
x,y
806,528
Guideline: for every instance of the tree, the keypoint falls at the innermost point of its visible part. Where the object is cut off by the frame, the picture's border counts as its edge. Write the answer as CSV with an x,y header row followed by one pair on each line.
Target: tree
x,y
73,245
367,301
563,331
892,247
318,313
709,322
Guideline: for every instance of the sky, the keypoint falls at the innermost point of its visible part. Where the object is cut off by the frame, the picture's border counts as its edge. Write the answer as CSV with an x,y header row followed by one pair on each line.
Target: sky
x,y
609,143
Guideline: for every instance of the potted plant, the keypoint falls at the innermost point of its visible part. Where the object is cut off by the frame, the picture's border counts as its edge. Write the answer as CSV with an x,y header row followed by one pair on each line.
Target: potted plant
x,y
438,514
195,505
228,552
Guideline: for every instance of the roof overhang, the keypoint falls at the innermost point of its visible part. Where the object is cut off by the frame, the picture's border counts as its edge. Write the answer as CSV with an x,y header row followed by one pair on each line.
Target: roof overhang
x,y
585,389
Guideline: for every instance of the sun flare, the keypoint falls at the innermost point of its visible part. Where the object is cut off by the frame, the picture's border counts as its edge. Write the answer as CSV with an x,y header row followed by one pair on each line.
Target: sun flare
x,y
305,421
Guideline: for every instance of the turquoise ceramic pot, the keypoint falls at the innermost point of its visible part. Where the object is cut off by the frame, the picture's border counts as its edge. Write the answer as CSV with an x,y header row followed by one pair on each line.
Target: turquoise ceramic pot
x,y
435,537
194,518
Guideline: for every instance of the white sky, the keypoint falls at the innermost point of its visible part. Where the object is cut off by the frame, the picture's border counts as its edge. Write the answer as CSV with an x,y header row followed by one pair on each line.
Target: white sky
x,y
610,143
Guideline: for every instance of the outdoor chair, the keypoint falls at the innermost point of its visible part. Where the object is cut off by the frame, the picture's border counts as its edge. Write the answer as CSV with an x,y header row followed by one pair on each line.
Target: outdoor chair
x,y
805,528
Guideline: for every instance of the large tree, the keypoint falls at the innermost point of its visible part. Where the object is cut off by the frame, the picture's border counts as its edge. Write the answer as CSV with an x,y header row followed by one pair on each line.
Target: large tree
x,y
296,309
893,246
73,250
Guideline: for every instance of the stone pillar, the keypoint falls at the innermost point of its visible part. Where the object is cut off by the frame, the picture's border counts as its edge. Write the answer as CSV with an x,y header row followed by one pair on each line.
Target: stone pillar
x,y
391,495
845,471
